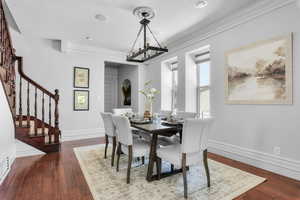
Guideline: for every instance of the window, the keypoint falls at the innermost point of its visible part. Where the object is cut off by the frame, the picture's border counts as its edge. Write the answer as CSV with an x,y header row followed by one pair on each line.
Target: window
x,y
174,69
169,84
203,88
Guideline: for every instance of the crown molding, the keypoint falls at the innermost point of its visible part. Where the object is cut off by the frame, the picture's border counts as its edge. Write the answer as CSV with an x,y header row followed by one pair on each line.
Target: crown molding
x,y
71,47
107,54
248,14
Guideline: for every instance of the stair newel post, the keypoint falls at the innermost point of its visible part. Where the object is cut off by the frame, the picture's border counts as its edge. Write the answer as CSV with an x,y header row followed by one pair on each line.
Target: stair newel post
x,y
50,115
28,105
20,103
14,96
35,112
50,129
1,36
43,114
56,117
13,83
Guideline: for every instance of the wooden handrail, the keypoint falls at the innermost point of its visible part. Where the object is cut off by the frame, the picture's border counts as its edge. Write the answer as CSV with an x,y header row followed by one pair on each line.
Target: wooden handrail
x,y
5,92
5,30
8,60
24,76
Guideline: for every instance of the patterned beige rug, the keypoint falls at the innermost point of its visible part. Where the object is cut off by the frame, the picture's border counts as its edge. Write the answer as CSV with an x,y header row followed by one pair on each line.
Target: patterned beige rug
x,y
106,184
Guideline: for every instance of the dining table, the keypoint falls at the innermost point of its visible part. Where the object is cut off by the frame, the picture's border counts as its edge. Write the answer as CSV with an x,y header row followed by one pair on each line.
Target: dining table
x,y
155,130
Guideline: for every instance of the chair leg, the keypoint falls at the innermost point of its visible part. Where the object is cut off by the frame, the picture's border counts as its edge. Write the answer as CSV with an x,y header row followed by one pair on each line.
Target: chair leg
x,y
129,163
118,155
143,160
158,167
184,175
106,145
113,151
205,161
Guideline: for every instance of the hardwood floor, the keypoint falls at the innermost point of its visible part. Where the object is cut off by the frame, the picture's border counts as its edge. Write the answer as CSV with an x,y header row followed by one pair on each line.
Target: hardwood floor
x,y
57,176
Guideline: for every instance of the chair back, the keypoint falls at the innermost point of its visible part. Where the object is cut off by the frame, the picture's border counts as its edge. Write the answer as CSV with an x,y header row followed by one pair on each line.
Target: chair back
x,y
109,126
165,113
186,115
122,111
194,134
123,129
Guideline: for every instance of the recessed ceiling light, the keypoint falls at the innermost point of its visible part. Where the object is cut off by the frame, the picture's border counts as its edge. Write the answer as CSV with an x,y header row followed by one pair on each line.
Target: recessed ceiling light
x,y
201,4
100,17
88,38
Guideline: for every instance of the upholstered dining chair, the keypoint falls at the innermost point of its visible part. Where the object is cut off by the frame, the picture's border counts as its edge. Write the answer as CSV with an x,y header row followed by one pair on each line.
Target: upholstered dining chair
x,y
186,115
127,144
110,135
192,151
177,138
122,111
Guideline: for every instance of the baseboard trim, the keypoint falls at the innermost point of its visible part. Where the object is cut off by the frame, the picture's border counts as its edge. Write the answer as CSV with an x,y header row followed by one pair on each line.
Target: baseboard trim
x,y
70,135
279,165
12,158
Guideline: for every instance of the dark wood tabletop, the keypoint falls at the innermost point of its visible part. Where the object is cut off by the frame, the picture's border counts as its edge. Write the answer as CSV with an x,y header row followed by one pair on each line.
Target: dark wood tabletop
x,y
155,128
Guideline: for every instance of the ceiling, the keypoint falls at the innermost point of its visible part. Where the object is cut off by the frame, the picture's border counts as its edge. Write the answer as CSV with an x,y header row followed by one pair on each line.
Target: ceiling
x,y
74,20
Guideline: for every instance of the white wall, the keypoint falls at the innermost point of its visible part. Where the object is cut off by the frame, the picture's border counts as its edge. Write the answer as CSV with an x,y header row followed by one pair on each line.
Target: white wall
x,y
51,68
247,132
7,133
111,88
166,86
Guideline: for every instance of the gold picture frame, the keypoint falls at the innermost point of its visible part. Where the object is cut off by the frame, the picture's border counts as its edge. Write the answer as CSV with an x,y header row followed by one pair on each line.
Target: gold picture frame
x,y
81,77
81,100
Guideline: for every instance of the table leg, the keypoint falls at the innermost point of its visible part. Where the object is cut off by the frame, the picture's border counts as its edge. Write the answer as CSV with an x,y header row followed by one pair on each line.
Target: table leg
x,y
152,157
180,135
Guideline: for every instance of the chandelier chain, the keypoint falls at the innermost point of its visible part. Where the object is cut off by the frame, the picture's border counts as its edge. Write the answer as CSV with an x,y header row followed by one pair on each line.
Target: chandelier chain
x,y
138,35
154,36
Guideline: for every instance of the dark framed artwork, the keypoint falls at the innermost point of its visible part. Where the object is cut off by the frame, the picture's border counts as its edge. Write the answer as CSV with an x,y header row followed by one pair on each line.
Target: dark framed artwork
x,y
126,89
81,100
81,77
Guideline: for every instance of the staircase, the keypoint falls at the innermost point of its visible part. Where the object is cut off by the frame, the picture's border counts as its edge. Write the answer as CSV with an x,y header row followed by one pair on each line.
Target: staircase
x,y
34,109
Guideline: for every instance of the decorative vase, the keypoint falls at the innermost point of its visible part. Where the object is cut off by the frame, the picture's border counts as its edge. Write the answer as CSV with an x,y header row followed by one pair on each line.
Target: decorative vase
x,y
148,110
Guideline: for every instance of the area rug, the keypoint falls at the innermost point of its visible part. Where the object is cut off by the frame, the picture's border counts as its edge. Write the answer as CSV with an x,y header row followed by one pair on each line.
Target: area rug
x,y
107,184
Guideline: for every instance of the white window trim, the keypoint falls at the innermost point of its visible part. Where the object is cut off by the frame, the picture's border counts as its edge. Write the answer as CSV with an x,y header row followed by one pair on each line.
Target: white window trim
x,y
173,98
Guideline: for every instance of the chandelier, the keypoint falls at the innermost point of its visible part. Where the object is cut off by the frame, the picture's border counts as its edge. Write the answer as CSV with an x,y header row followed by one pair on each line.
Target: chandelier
x,y
146,51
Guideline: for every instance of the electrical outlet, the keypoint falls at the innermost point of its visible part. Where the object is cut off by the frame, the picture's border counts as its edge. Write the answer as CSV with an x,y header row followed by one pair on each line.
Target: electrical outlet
x,y
276,151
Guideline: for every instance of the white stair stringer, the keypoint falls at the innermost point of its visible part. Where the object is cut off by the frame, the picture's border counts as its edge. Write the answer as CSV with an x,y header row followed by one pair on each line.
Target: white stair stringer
x,y
26,150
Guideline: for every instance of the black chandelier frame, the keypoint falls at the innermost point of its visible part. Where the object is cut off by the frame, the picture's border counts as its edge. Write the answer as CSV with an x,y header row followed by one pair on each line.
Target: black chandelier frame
x,y
143,54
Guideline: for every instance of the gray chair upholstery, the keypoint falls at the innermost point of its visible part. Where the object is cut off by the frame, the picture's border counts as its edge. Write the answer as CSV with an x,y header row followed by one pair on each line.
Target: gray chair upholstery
x,y
186,115
110,135
127,144
122,111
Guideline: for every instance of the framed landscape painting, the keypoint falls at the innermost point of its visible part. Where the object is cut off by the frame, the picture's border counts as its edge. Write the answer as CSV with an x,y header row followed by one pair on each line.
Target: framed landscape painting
x,y
81,100
81,77
260,73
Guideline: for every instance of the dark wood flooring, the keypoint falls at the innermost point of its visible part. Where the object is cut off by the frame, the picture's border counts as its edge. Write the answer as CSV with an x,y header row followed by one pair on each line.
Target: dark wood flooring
x,y
57,176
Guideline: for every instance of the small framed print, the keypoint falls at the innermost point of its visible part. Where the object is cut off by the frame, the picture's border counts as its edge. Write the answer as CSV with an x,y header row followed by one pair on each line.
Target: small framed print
x,y
81,77
81,100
